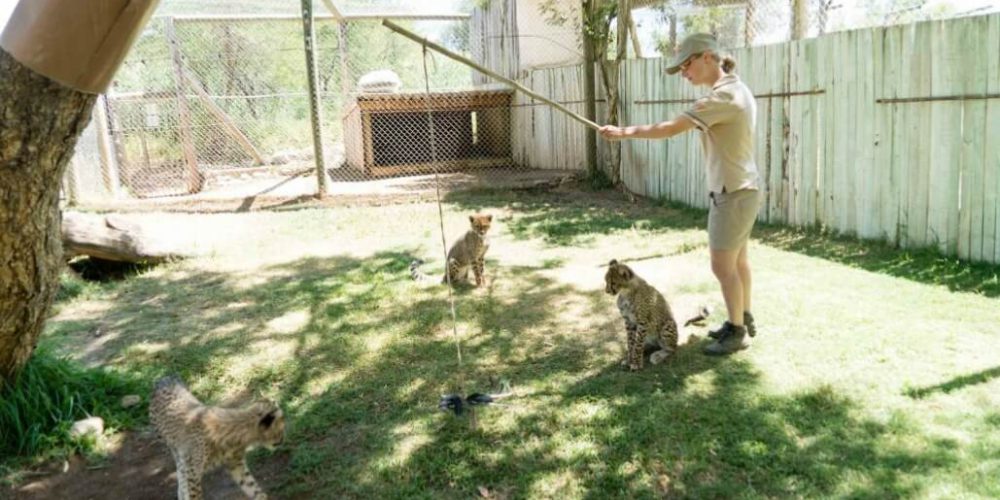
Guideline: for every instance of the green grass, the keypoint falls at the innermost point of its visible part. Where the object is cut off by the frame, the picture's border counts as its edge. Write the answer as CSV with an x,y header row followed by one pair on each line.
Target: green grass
x,y
51,392
875,373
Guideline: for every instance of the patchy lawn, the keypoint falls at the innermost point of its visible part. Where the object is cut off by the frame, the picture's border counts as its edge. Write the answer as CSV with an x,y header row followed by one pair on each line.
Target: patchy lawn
x,y
875,373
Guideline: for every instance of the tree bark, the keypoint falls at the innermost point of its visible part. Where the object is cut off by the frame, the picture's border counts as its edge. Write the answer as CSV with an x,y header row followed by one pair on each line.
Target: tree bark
x,y
40,121
589,89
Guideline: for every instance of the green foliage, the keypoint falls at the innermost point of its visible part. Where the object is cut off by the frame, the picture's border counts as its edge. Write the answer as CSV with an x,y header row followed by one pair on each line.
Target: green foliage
x,y
39,407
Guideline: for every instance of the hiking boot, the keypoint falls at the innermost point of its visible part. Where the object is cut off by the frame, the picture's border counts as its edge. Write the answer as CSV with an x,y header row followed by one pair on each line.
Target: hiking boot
x,y
732,338
747,321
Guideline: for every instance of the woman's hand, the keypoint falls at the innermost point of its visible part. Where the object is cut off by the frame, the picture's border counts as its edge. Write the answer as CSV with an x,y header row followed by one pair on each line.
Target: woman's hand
x,y
612,133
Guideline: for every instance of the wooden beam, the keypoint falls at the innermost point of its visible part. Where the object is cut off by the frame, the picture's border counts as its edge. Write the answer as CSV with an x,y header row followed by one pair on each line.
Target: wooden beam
x,y
464,60
967,97
333,10
195,179
109,164
371,16
224,119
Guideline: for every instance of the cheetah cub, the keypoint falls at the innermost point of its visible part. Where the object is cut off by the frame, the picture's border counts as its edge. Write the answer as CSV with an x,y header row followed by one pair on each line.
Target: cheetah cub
x,y
645,312
202,438
467,252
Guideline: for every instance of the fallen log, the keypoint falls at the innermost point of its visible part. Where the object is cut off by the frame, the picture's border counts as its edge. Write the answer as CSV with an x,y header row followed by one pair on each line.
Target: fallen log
x,y
113,238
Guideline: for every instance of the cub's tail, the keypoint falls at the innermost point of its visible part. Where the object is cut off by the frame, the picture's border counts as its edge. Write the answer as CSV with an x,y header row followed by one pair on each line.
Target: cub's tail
x,y
416,274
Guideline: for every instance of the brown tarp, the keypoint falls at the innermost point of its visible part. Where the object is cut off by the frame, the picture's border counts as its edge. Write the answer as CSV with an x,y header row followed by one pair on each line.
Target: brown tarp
x,y
78,43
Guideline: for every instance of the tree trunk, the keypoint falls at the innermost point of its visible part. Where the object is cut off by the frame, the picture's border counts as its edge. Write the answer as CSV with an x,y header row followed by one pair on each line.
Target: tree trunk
x,y
589,89
40,121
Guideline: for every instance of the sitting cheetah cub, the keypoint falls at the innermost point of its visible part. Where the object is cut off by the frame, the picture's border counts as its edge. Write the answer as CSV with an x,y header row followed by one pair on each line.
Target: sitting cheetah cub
x,y
466,253
645,312
204,437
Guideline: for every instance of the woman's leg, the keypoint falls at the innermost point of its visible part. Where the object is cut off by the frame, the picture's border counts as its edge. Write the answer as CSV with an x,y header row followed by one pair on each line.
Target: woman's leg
x,y
743,268
726,270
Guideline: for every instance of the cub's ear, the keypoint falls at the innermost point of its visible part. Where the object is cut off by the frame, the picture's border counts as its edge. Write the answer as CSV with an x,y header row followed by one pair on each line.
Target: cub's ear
x,y
614,262
472,219
267,420
625,272
489,217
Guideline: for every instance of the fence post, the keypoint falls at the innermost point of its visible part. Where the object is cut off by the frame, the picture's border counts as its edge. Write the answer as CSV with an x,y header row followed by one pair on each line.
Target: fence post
x,y
309,35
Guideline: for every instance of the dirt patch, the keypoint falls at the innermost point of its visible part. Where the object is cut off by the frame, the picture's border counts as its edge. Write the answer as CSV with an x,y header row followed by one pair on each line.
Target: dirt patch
x,y
141,469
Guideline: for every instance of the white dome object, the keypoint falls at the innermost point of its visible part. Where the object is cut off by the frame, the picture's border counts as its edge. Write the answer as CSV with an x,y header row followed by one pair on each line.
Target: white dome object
x,y
382,81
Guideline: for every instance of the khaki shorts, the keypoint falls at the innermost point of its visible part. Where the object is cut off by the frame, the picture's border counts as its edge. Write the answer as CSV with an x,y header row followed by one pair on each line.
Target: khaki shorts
x,y
731,217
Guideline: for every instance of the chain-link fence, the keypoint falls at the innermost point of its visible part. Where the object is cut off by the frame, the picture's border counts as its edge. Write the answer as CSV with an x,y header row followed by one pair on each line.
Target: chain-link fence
x,y
214,104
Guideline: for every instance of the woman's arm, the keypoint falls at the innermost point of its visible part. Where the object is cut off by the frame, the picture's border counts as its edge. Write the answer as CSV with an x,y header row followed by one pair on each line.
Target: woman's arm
x,y
660,130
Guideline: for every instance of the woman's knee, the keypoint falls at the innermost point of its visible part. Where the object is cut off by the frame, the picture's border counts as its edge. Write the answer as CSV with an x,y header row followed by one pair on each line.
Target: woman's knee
x,y
743,266
723,266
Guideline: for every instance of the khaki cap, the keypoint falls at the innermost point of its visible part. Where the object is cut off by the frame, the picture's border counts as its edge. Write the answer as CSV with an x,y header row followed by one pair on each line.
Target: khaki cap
x,y
698,43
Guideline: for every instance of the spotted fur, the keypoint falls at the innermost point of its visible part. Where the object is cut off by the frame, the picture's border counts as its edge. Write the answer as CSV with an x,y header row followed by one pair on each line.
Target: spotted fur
x,y
466,253
648,319
202,437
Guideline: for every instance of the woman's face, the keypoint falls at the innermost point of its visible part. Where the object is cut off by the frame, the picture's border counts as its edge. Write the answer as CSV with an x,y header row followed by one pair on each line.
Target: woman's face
x,y
698,69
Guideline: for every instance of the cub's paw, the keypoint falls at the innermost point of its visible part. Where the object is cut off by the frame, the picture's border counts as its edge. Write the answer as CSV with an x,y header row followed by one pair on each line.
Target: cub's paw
x,y
659,356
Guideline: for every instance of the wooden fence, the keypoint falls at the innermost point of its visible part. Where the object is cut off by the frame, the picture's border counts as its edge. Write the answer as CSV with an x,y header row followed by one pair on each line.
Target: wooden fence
x,y
888,133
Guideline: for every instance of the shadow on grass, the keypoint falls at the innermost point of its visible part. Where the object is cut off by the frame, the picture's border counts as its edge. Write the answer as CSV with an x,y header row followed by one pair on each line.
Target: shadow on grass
x,y
571,218
623,435
920,265
358,356
955,383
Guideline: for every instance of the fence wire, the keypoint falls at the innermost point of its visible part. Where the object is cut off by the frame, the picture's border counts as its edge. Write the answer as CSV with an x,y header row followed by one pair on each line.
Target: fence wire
x,y
214,103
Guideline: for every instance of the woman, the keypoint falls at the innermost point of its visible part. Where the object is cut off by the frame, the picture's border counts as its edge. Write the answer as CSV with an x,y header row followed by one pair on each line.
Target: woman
x,y
726,118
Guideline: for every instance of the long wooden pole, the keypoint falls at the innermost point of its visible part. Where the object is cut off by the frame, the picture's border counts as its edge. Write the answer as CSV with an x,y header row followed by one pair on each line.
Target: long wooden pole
x,y
437,48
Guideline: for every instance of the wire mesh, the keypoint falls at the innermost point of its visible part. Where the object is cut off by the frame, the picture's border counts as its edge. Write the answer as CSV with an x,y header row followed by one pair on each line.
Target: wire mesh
x,y
212,101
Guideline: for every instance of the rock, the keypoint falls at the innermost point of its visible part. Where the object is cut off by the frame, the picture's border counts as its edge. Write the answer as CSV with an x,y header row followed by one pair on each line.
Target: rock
x,y
286,156
130,401
92,425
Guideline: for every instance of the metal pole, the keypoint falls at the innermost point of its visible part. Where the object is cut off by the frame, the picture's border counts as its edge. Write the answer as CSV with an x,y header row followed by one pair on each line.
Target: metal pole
x,y
309,35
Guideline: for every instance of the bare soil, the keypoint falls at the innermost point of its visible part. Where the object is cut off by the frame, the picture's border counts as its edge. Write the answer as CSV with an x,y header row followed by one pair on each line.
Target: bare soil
x,y
140,469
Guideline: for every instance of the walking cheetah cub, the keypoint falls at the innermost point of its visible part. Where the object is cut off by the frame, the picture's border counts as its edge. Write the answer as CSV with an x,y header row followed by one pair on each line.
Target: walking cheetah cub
x,y
202,437
645,312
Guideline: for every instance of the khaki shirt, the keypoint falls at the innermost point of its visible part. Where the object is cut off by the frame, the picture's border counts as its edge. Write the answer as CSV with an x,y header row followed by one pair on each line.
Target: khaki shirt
x,y
727,117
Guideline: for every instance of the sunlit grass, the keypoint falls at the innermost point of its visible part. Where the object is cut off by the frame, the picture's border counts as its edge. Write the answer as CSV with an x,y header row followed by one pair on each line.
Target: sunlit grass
x,y
871,377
